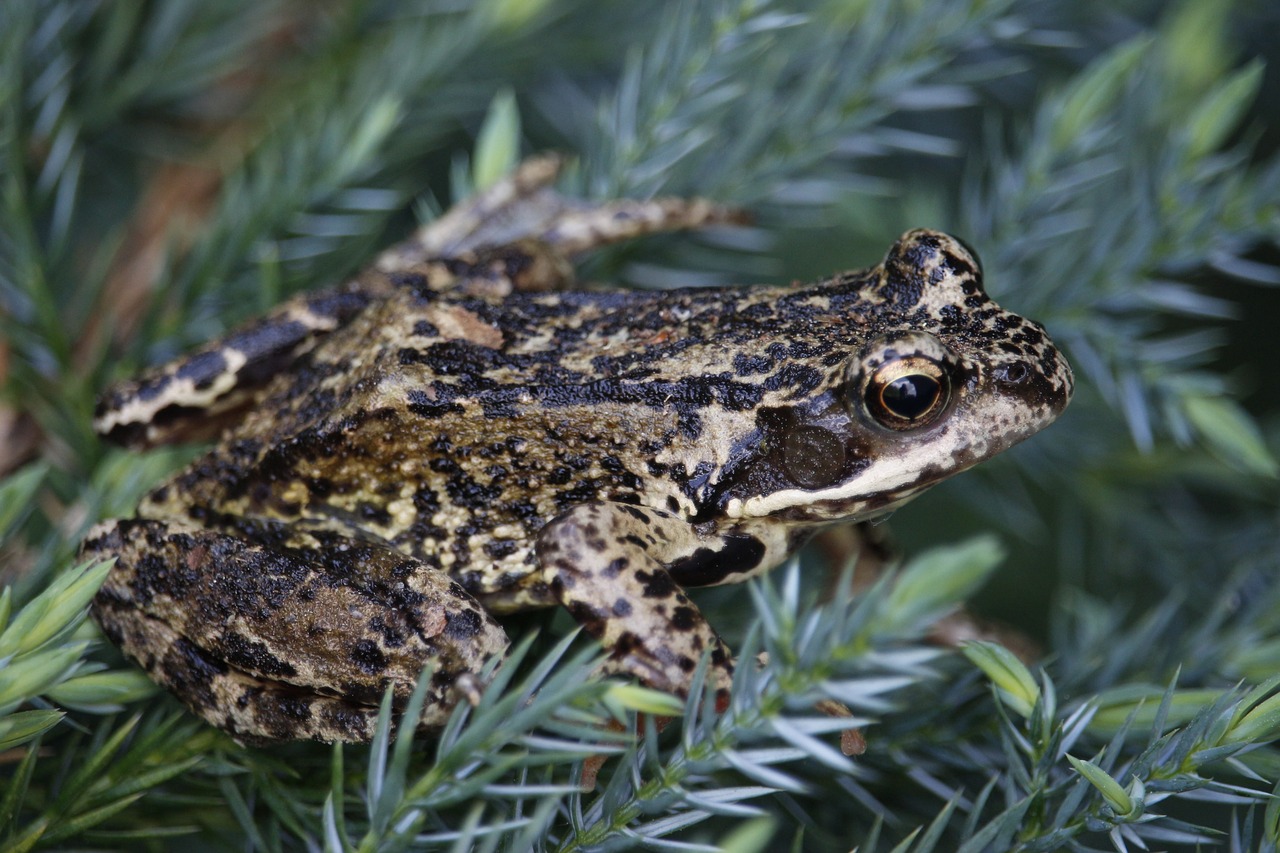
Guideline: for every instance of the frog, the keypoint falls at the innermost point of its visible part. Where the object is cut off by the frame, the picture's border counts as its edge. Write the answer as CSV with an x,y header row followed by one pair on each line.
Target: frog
x,y
460,432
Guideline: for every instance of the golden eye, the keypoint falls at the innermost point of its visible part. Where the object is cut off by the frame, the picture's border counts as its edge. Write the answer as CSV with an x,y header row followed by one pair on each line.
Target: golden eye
x,y
907,393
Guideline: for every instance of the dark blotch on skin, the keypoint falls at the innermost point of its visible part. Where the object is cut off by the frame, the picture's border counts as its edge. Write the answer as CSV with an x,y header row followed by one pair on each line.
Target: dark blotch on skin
x,y
374,514
705,567
131,433
500,548
366,655
409,280
294,710
749,365
639,515
656,584
463,624
684,619
252,656
959,265
799,379
352,722
591,620
190,672
422,405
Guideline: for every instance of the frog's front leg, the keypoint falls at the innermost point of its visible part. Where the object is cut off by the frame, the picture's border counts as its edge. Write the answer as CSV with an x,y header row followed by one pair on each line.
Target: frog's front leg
x,y
296,639
619,569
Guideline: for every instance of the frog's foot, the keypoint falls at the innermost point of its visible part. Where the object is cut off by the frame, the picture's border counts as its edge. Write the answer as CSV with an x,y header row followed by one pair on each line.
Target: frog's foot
x,y
524,207
291,641
608,564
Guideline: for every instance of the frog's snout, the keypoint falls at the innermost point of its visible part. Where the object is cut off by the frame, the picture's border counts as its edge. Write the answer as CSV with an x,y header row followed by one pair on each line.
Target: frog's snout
x,y
1041,385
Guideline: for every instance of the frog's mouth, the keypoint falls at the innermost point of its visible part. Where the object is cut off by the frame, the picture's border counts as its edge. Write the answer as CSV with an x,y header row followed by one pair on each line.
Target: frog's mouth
x,y
896,475
873,492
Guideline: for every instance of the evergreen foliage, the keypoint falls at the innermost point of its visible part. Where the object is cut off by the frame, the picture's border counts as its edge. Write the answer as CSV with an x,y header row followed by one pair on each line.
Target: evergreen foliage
x,y
168,169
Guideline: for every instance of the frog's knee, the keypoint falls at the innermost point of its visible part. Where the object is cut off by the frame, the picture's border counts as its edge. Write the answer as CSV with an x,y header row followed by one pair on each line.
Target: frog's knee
x,y
194,397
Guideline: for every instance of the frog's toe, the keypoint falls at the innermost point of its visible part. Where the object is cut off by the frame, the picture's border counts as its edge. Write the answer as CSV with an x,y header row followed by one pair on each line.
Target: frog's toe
x,y
298,641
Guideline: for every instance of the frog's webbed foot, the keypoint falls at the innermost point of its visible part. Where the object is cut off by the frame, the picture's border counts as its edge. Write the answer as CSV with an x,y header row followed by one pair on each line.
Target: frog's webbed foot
x,y
601,561
523,208
289,642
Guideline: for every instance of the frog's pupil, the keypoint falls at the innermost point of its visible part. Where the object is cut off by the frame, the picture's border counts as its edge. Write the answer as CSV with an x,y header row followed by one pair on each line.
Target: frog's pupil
x,y
910,396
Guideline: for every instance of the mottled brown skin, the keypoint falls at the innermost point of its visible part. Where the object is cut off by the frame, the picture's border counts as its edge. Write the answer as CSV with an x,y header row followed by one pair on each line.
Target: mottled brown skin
x,y
452,435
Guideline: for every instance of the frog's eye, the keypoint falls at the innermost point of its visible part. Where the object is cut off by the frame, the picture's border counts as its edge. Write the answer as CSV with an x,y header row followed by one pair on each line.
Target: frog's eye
x,y
907,393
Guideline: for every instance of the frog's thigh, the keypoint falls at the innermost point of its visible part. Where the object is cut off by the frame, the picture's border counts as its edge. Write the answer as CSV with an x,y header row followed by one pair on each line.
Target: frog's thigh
x,y
607,563
274,644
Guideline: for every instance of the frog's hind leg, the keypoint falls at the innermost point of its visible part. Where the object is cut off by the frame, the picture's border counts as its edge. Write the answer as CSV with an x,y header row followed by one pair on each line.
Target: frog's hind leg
x,y
291,641
193,397
523,207
514,236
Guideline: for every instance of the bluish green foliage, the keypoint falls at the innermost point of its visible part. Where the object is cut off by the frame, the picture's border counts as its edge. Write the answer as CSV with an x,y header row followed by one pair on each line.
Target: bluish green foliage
x,y
1116,165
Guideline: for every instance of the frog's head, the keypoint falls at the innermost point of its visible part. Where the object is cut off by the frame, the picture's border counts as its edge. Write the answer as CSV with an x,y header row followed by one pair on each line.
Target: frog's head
x,y
942,378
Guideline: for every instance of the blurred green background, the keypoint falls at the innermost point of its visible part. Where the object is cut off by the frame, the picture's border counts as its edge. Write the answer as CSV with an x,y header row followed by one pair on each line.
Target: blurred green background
x,y
169,169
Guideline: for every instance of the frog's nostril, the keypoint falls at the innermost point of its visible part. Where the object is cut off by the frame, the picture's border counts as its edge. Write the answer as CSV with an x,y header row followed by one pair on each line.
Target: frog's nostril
x,y
1012,374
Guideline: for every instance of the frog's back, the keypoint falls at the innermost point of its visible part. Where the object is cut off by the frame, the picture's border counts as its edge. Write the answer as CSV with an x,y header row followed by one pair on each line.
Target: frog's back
x,y
457,364
455,427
